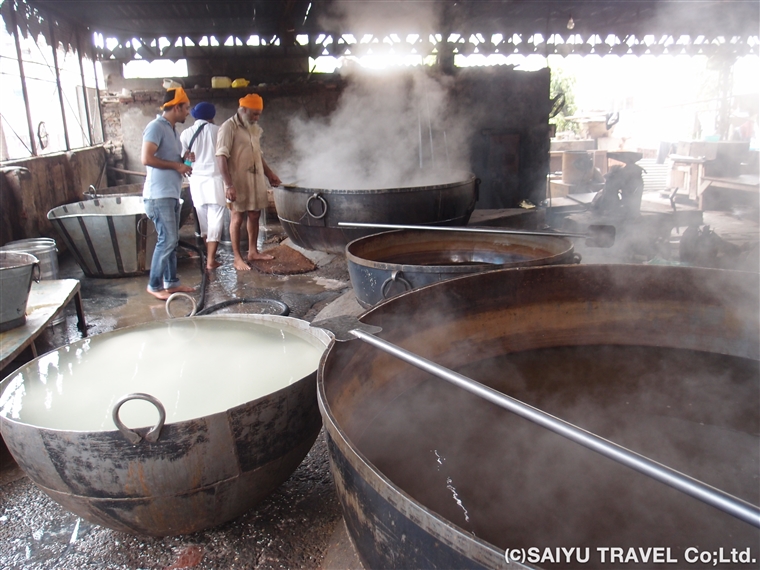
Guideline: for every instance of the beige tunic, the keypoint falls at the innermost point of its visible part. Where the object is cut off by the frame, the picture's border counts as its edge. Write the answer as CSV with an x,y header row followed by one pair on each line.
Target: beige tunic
x,y
241,145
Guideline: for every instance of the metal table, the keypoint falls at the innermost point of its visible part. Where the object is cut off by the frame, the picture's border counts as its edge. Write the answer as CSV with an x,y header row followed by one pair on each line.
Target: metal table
x,y
47,300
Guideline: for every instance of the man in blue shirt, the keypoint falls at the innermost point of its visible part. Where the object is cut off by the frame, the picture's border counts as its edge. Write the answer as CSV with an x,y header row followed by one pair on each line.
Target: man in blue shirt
x,y
162,157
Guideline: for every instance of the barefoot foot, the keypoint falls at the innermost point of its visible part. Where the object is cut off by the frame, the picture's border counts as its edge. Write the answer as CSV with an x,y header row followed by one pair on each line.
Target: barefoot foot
x,y
213,264
241,265
180,289
259,257
163,294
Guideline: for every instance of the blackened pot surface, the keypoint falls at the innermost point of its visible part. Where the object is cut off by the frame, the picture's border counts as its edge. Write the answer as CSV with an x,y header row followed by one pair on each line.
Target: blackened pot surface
x,y
310,216
472,324
386,264
201,472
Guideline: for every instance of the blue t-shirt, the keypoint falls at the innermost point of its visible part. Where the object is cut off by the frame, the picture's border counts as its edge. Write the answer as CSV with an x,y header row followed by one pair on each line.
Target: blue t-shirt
x,y
161,182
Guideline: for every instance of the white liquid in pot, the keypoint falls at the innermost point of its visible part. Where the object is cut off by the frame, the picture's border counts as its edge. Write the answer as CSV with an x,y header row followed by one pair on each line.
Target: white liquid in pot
x,y
195,367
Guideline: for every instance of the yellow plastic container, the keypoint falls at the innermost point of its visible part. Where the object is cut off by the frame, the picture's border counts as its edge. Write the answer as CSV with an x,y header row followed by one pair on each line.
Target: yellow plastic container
x,y
221,82
240,82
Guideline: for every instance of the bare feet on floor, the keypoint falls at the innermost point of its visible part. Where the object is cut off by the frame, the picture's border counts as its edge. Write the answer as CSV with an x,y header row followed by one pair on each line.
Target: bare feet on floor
x,y
213,264
163,294
241,265
256,256
180,289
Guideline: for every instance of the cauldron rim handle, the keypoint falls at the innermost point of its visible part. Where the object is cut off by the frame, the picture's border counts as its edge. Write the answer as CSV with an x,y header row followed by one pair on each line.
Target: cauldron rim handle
x,y
132,436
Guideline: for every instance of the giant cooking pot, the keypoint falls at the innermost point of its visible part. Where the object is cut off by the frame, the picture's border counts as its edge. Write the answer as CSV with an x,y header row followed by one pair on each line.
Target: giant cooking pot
x,y
386,264
233,430
310,216
662,360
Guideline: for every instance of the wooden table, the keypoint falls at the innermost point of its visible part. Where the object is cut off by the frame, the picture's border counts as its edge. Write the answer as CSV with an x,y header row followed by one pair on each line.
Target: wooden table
x,y
745,183
47,300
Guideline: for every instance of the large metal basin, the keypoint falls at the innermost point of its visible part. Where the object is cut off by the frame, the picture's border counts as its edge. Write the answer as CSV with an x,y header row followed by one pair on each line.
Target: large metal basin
x,y
384,265
206,467
430,476
108,237
136,189
310,216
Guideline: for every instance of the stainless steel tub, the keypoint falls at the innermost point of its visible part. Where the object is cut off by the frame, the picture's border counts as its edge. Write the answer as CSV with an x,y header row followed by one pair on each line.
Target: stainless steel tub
x,y
108,237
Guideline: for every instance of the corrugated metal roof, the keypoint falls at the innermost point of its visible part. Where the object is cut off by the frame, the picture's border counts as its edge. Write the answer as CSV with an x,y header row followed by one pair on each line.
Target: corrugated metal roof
x,y
151,18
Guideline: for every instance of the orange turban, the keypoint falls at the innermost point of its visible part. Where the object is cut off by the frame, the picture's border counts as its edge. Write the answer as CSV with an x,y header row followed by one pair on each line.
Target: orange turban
x,y
175,97
252,101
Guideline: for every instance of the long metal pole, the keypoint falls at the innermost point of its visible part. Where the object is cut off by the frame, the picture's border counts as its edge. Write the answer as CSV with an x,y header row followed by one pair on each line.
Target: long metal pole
x,y
58,83
721,500
84,87
22,76
459,229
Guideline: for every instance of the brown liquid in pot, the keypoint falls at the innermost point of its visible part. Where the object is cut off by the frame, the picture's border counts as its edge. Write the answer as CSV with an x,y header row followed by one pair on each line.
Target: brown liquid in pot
x,y
517,485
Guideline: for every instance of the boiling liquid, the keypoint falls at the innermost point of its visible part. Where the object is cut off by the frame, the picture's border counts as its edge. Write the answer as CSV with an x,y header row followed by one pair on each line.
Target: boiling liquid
x,y
517,485
194,367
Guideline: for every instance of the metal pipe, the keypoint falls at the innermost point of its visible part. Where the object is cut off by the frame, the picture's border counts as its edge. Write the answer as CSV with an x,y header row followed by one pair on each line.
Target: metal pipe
x,y
459,229
84,88
419,129
97,93
58,83
22,76
721,500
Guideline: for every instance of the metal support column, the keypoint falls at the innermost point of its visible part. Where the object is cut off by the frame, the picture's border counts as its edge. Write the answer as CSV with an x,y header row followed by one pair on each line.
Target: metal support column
x,y
22,76
84,87
58,83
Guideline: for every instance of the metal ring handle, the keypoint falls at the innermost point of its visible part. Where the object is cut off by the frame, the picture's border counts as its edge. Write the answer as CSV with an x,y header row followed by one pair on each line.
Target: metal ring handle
x,y
577,257
134,437
36,267
396,276
316,196
173,297
143,219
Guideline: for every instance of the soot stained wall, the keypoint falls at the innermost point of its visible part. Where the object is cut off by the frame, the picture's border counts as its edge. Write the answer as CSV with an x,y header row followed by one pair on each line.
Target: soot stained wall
x,y
509,111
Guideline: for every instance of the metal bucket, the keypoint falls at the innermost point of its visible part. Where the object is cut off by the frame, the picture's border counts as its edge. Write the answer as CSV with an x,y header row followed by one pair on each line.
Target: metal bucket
x,y
462,481
108,237
384,265
16,273
125,190
310,216
191,470
44,249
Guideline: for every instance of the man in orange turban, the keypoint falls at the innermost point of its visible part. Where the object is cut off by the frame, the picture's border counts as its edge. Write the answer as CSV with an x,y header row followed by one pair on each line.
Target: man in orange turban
x,y
245,174
162,156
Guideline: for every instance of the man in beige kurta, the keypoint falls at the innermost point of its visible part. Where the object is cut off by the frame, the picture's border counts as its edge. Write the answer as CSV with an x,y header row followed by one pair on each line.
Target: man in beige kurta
x,y
245,174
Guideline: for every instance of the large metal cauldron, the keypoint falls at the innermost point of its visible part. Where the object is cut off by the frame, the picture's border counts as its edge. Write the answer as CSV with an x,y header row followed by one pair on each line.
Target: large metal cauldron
x,y
386,264
124,190
108,237
201,471
430,476
310,216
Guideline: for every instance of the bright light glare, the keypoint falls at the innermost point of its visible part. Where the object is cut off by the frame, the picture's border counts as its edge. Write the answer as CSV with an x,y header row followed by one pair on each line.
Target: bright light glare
x,y
137,69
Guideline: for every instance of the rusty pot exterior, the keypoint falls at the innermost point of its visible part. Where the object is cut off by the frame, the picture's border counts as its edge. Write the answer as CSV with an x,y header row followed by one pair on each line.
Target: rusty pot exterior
x,y
200,473
310,216
473,318
387,264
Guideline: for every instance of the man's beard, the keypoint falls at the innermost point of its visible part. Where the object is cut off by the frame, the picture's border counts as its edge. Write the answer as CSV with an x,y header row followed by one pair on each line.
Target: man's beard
x,y
247,122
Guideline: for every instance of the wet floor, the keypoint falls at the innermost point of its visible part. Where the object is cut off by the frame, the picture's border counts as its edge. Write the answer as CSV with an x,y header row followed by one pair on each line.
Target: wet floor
x,y
292,528
299,525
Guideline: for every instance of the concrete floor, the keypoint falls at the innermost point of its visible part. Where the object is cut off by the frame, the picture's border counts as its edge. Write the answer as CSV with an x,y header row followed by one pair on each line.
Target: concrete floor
x,y
300,524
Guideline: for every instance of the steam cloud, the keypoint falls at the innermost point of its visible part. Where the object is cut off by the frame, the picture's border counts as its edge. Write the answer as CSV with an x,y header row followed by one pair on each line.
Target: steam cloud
x,y
387,132
390,130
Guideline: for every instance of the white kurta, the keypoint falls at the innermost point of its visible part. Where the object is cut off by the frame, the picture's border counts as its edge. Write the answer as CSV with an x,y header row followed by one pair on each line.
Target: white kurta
x,y
206,184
